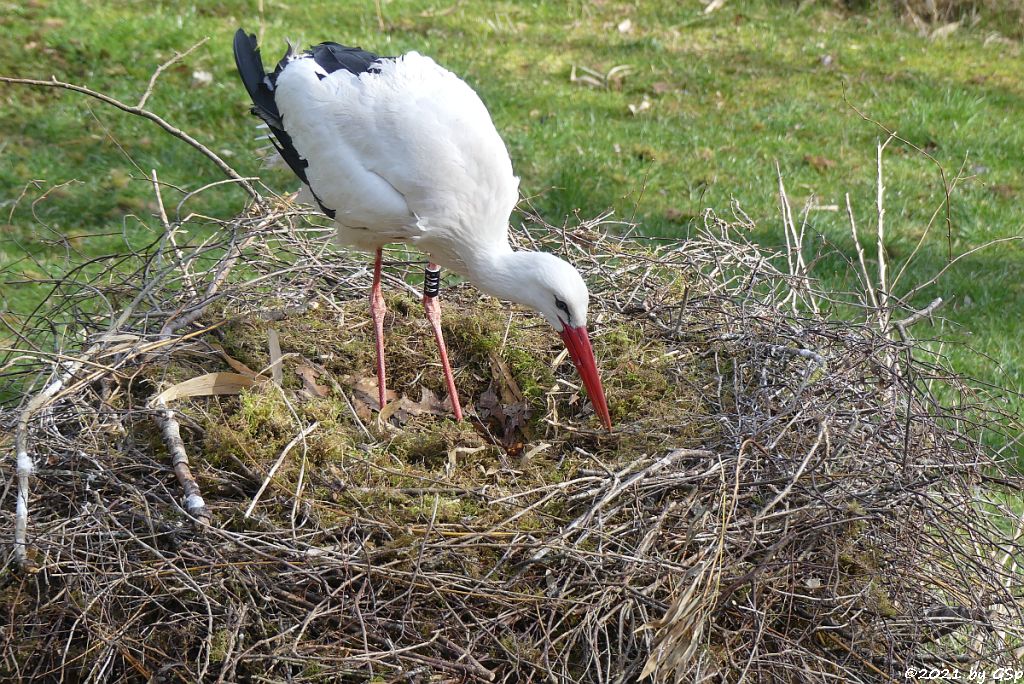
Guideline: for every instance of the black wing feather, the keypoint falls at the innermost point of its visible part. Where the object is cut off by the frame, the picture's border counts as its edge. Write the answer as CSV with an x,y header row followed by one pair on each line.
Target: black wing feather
x,y
260,85
333,57
254,77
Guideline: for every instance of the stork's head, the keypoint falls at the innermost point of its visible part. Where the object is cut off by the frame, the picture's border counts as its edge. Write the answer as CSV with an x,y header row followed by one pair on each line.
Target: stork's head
x,y
555,289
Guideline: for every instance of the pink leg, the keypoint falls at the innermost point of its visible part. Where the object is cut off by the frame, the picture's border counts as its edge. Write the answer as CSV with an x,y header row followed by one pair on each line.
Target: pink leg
x,y
377,311
431,287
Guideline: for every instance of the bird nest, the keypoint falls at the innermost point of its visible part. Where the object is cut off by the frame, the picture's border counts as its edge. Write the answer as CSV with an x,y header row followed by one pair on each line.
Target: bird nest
x,y
785,496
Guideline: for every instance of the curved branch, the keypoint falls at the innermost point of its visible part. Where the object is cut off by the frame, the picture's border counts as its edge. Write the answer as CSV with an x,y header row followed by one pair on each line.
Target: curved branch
x,y
145,114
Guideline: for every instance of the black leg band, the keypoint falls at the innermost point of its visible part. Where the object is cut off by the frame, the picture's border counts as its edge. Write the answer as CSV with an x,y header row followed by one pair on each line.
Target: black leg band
x,y
431,282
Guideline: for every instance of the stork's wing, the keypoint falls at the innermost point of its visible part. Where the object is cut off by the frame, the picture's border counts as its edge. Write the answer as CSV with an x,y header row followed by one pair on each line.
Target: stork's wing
x,y
260,86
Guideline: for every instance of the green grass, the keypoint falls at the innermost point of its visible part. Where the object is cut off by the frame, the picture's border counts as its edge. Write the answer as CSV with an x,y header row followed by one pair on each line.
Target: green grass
x,y
731,94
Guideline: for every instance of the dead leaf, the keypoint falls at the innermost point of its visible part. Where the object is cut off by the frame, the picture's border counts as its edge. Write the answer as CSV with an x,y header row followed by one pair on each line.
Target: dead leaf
x,y
428,404
612,79
944,31
510,391
235,364
642,106
660,88
389,409
364,395
679,215
533,451
309,375
517,416
586,79
276,369
488,405
201,78
1003,191
515,449
506,418
205,386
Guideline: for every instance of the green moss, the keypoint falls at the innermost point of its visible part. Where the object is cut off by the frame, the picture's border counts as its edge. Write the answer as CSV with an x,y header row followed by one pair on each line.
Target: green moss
x,y
418,471
219,641
429,443
882,602
262,410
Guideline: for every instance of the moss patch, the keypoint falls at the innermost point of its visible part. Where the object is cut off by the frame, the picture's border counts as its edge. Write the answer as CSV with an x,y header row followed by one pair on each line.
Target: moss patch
x,y
424,469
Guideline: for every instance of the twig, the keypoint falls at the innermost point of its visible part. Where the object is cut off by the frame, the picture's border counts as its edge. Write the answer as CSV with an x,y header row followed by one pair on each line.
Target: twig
x,y
277,464
931,281
619,486
865,277
883,284
24,462
942,171
917,316
822,432
178,56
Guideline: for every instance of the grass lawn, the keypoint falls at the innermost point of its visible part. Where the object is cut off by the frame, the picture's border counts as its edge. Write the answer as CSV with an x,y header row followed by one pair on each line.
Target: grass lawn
x,y
728,95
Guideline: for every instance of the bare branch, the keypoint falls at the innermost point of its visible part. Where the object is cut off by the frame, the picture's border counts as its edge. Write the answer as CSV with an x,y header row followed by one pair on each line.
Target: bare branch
x,y
193,502
145,114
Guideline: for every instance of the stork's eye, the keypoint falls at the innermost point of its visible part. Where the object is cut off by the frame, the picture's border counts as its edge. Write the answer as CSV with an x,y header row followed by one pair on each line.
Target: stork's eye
x,y
559,304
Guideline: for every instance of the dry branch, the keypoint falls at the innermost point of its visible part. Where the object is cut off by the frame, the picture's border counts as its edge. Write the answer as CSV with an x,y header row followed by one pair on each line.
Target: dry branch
x,y
193,502
145,114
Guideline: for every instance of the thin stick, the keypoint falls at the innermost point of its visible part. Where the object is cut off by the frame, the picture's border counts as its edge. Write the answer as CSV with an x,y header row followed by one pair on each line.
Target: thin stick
x,y
277,464
170,232
178,56
619,486
942,171
883,285
860,255
25,464
822,431
917,315
931,281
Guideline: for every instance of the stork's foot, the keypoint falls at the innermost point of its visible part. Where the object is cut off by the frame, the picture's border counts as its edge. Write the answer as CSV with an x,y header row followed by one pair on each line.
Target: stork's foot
x,y
432,306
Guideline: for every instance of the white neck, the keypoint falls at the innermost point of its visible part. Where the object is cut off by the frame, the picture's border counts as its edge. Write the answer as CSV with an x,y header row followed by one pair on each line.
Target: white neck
x,y
499,273
538,280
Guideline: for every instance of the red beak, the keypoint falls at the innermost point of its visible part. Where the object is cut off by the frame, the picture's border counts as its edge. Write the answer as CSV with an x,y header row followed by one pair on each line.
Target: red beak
x,y
577,341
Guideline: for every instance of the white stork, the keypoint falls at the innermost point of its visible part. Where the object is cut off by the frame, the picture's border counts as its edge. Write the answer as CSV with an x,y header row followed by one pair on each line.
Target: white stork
x,y
399,149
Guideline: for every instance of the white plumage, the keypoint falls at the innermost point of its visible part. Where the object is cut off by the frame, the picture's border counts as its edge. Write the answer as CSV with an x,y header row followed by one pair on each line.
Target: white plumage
x,y
402,150
418,160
